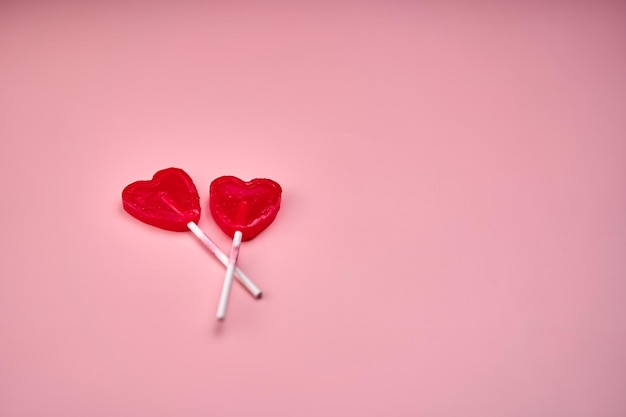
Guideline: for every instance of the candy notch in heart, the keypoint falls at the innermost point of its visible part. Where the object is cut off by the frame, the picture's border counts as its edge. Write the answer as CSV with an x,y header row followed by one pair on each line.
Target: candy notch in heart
x,y
169,201
246,206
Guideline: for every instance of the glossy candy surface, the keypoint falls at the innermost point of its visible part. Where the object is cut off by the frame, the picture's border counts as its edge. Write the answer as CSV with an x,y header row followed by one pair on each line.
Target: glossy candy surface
x,y
246,206
169,200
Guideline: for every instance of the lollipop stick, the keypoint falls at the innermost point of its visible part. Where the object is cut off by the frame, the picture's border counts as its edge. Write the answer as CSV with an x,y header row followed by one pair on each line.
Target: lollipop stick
x,y
228,279
221,256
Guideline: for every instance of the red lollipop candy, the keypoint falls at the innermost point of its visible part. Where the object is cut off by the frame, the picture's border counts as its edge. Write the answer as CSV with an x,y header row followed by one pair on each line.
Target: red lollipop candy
x,y
245,206
170,201
242,210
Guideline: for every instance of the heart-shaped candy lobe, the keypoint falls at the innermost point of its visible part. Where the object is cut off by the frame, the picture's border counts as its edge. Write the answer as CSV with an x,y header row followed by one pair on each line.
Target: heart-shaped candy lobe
x,y
246,206
169,201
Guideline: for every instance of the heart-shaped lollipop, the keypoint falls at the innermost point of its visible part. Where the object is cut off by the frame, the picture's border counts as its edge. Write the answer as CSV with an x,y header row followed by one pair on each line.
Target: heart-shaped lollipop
x,y
170,201
245,206
242,210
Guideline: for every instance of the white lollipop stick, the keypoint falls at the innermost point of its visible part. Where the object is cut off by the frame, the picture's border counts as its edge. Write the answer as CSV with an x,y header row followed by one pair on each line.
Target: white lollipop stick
x,y
228,279
221,256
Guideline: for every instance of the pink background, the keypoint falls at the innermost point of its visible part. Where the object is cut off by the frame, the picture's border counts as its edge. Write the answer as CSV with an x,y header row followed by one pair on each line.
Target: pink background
x,y
452,240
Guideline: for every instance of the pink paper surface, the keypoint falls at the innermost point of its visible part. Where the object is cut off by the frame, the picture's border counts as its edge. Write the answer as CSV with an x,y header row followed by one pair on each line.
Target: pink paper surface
x,y
452,237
